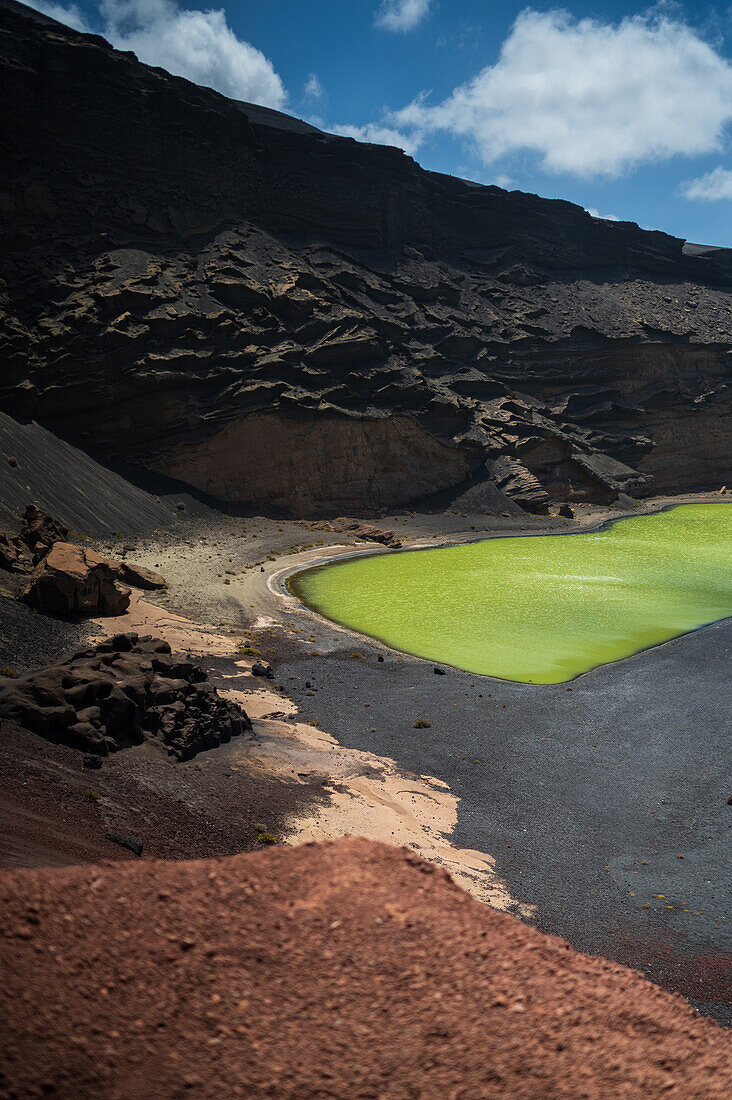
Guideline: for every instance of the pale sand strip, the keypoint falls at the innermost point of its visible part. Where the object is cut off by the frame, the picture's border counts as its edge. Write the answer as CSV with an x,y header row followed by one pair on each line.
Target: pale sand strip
x,y
370,797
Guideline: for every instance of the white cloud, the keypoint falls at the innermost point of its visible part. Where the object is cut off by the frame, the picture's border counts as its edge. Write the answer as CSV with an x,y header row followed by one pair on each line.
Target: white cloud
x,y
589,97
401,16
70,15
313,87
502,180
380,135
603,217
715,185
199,45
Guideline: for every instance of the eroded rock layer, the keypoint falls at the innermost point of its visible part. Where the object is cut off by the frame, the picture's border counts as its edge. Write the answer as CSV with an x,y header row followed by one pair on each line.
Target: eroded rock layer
x,y
301,321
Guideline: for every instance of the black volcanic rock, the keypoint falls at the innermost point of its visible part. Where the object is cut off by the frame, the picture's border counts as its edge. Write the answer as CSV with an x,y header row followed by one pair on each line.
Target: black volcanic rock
x,y
300,321
120,692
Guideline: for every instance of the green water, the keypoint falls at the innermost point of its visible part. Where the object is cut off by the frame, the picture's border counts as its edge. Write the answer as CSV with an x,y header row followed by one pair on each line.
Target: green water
x,y
538,609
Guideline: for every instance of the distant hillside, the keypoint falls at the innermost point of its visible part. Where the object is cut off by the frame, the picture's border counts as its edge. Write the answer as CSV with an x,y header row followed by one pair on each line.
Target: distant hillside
x,y
284,317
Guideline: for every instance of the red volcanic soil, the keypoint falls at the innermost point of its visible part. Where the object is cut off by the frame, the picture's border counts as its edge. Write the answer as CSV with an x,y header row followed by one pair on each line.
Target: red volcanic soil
x,y
349,969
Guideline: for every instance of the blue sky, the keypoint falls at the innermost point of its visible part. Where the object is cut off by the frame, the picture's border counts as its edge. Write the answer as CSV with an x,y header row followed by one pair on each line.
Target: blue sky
x,y
624,109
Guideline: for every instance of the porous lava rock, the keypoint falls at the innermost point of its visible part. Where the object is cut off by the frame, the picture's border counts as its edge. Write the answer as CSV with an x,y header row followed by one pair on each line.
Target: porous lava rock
x,y
14,554
260,298
76,582
40,532
340,970
119,693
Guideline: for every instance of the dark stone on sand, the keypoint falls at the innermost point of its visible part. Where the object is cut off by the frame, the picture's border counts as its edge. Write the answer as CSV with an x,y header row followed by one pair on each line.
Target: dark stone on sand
x,y
625,502
139,577
438,671
567,511
261,668
92,760
126,840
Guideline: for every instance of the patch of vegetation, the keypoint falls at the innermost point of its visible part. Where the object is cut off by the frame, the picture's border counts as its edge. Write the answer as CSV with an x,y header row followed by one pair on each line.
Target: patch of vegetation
x,y
267,838
10,672
92,795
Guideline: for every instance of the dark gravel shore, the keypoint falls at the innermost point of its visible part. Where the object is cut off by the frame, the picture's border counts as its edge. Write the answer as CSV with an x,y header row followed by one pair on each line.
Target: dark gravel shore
x,y
603,801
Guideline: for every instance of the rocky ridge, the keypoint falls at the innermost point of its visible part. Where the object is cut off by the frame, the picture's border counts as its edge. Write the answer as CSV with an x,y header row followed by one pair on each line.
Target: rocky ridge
x,y
286,318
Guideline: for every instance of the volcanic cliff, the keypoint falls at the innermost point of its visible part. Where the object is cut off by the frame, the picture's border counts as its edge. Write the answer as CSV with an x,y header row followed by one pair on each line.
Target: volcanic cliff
x,y
304,323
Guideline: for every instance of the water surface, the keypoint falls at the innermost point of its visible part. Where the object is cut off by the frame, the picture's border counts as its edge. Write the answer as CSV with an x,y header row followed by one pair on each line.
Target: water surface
x,y
539,609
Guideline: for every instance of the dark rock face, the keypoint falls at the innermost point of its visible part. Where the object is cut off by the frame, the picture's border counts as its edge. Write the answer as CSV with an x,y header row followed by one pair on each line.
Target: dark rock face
x,y
120,692
82,493
297,320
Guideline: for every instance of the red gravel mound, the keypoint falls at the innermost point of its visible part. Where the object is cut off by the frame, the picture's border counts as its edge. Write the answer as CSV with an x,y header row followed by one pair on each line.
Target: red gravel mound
x,y
346,970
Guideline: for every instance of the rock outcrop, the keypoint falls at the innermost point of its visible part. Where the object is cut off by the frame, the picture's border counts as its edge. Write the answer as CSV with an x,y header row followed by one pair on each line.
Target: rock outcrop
x,y
66,579
20,553
117,694
77,583
40,532
299,321
367,531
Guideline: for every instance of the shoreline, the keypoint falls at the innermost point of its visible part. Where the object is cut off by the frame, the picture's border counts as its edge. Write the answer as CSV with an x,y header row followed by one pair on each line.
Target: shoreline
x,y
508,795
279,585
371,797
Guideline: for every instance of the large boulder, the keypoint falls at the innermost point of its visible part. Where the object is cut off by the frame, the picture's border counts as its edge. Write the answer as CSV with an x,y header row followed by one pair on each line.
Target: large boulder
x,y
76,582
138,576
119,693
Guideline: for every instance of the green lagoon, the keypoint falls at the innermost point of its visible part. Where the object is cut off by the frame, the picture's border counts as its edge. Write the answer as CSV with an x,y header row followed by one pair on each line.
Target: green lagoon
x,y
539,609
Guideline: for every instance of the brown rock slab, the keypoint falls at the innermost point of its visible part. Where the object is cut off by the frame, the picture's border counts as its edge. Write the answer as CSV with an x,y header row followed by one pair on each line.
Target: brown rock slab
x,y
76,582
138,576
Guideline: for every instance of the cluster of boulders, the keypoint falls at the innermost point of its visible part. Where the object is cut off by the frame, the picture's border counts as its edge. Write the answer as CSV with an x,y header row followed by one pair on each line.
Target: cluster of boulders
x,y
119,693
66,579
